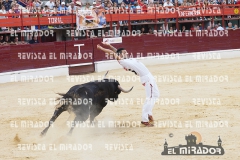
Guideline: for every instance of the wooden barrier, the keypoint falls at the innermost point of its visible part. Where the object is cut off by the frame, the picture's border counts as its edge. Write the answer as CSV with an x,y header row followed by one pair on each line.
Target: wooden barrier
x,y
20,57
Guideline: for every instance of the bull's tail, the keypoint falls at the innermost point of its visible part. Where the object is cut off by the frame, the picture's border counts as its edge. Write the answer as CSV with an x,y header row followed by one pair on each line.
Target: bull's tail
x,y
61,94
61,99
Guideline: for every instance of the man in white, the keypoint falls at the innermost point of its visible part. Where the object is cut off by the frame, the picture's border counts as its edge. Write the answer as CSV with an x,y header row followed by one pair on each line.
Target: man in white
x,y
50,4
219,27
167,4
72,8
147,79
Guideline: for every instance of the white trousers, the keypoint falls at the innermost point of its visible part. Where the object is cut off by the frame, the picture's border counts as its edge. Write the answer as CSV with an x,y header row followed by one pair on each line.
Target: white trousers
x,y
152,93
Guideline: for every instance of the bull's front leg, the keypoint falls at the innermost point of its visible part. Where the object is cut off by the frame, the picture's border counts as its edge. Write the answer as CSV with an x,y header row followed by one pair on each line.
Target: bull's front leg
x,y
57,112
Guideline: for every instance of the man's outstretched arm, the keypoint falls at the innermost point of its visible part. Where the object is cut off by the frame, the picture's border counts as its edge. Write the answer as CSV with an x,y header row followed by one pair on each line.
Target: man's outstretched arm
x,y
109,52
110,46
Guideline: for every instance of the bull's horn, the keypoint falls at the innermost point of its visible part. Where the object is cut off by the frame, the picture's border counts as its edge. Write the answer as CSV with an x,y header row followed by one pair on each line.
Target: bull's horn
x,y
105,75
123,90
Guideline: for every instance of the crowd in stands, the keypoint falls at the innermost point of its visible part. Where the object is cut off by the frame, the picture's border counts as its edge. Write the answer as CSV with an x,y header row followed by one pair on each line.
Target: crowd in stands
x,y
7,6
7,40
62,7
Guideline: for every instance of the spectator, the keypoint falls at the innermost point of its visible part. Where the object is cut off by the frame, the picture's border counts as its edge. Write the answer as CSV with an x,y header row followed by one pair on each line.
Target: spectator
x,y
7,40
72,8
7,4
200,26
1,39
45,10
167,3
219,2
150,31
14,2
184,4
50,4
122,5
179,2
30,3
193,28
161,2
115,8
170,30
208,28
11,11
129,6
87,6
219,28
57,3
1,3
15,41
142,6
143,30
93,5
17,9
136,8
62,9
34,40
109,5
183,29
132,2
235,26
105,5
126,1
3,11
78,5
115,1
55,11
191,2
229,26
37,3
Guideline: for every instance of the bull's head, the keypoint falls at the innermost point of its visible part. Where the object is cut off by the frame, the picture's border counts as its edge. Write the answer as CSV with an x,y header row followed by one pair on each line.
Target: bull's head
x,y
116,89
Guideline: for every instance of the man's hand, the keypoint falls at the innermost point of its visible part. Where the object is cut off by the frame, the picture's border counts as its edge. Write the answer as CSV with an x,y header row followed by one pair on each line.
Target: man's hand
x,y
99,47
110,46
105,43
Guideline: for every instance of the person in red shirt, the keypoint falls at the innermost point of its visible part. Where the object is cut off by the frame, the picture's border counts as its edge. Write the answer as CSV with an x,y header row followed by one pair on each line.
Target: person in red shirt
x,y
142,5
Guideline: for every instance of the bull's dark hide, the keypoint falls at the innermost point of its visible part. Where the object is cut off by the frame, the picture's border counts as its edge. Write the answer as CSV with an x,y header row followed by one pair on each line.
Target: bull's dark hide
x,y
86,100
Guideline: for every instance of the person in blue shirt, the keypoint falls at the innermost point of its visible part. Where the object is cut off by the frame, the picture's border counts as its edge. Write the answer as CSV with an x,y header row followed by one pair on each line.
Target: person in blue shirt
x,y
116,1
7,5
126,1
62,9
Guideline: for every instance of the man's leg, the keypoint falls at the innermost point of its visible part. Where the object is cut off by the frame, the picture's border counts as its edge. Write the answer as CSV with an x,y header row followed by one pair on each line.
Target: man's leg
x,y
155,96
147,105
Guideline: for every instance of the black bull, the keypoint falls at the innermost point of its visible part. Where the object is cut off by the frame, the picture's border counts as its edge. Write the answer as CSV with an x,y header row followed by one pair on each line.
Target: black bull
x,y
86,100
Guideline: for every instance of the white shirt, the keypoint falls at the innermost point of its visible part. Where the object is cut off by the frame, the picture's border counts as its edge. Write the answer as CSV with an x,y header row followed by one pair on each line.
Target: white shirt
x,y
138,67
220,28
70,9
167,4
3,12
50,4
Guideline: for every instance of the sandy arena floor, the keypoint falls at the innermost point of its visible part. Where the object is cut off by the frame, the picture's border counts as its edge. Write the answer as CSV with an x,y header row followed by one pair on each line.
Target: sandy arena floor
x,y
135,142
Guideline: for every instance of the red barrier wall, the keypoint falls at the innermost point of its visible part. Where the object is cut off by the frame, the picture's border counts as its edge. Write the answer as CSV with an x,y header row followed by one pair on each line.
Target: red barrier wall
x,y
86,55
11,60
